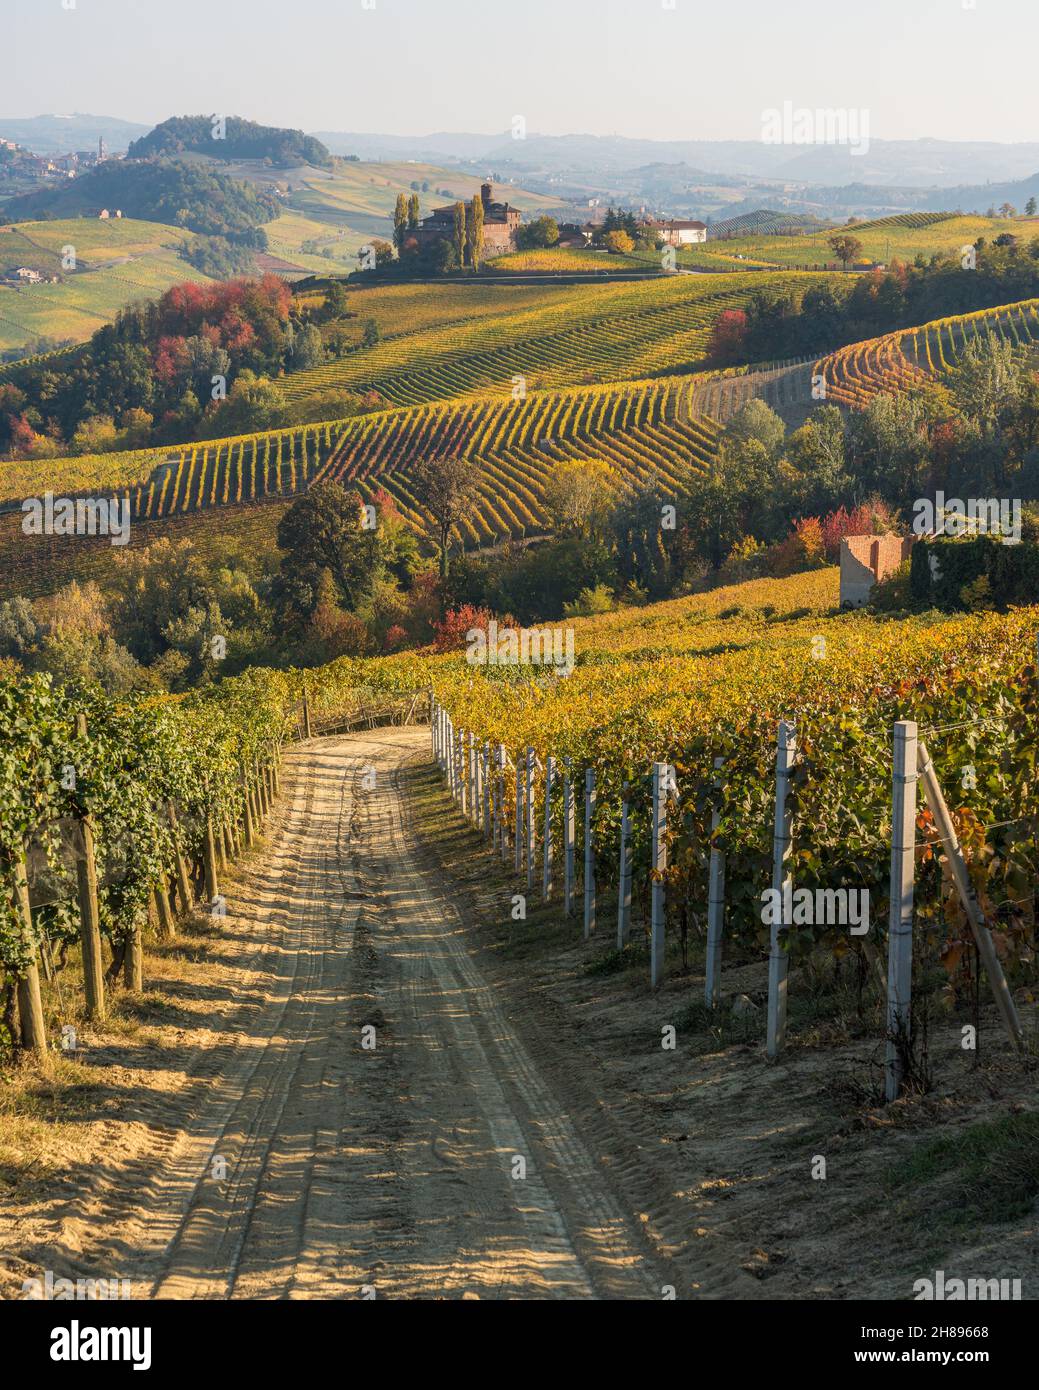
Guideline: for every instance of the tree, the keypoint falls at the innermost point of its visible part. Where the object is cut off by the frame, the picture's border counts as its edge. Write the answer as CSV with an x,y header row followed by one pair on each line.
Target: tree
x,y
20,630
1007,210
543,231
400,221
727,336
846,248
460,233
413,211
888,447
96,435
1031,207
308,349
579,497
449,486
323,530
370,336
253,404
474,232
619,242
335,304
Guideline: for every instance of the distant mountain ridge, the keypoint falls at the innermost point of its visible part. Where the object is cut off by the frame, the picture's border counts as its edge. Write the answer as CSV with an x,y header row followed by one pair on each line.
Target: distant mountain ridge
x,y
51,135
925,163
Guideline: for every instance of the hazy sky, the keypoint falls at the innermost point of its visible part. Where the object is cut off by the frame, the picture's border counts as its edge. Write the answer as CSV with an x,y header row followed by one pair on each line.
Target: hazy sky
x,y
659,68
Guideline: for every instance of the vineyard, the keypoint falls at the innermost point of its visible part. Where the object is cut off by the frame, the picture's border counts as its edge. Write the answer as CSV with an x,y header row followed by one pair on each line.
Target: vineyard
x,y
117,262
562,260
903,236
630,719
120,816
571,337
644,430
909,357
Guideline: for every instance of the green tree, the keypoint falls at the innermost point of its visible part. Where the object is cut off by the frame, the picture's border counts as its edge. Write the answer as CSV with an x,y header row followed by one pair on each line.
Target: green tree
x,y
400,222
1031,207
413,212
335,305
460,233
474,232
324,529
543,231
308,349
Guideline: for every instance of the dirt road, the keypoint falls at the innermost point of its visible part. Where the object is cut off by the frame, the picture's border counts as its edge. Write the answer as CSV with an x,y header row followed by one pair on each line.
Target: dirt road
x,y
376,1122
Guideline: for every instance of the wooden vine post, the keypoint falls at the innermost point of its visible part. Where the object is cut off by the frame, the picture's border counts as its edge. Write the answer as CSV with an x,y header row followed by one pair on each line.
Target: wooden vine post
x,y
982,936
519,818
569,828
715,899
167,922
209,857
900,919
133,961
33,1033
89,915
546,844
306,712
529,817
624,873
589,852
485,777
661,778
779,960
247,810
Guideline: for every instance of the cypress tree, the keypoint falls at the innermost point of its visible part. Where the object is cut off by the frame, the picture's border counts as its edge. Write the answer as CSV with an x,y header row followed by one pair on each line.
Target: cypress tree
x,y
413,213
460,233
474,232
400,221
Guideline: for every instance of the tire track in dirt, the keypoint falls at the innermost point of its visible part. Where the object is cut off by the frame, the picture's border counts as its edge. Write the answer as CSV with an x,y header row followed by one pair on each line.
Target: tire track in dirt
x,y
352,1171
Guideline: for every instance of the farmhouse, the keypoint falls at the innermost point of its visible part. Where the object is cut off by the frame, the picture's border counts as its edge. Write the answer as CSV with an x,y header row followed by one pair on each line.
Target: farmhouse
x,y
676,233
574,238
25,276
500,225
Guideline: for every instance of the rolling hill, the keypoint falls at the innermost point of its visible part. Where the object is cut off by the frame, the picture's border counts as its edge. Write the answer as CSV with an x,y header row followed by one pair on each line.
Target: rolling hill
x,y
903,236
117,261
551,336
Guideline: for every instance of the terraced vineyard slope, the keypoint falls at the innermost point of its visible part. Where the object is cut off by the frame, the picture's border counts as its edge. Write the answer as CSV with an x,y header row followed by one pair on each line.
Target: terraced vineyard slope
x,y
897,361
642,429
569,336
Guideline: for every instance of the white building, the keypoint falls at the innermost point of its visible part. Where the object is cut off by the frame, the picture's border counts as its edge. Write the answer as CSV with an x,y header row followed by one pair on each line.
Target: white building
x,y
676,233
